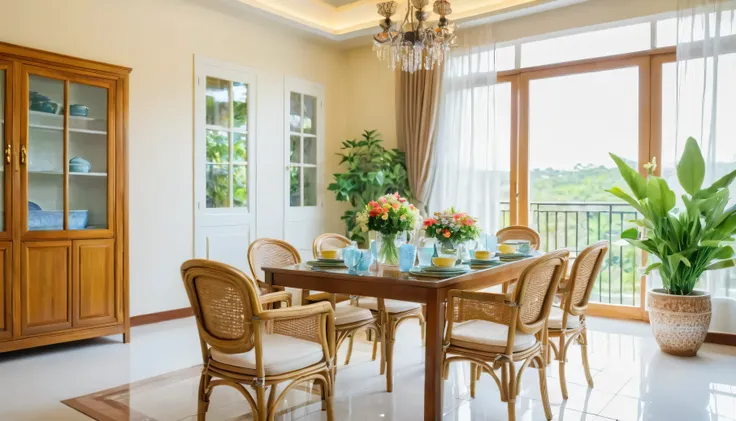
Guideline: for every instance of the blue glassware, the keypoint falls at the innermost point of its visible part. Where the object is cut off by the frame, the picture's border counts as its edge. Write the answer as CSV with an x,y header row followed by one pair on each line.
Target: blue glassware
x,y
491,243
425,256
374,249
365,260
351,257
407,257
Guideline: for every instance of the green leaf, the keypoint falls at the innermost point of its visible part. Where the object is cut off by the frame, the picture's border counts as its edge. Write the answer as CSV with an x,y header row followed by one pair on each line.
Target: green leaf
x,y
722,182
675,259
724,253
691,168
644,223
651,267
630,234
661,198
723,264
636,182
630,200
711,243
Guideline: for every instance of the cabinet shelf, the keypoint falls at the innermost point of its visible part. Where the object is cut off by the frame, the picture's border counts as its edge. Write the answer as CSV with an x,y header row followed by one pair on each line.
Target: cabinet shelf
x,y
71,130
85,174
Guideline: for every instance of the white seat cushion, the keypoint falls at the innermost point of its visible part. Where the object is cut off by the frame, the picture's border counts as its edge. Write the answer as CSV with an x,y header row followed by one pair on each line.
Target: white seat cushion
x,y
555,319
281,354
482,334
346,314
392,306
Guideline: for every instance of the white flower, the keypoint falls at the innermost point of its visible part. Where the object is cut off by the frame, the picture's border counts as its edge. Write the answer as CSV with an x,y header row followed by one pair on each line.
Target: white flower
x,y
402,217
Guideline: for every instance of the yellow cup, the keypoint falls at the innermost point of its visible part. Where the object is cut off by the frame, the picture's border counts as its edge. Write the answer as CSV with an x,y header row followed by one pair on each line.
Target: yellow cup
x,y
506,249
482,254
444,262
329,254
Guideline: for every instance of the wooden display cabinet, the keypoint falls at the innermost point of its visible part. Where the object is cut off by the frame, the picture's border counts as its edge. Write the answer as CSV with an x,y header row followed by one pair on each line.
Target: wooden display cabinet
x,y
63,228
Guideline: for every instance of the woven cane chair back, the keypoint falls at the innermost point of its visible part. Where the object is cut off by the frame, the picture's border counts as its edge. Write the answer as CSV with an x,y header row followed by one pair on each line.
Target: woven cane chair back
x,y
518,232
329,241
585,270
266,252
536,288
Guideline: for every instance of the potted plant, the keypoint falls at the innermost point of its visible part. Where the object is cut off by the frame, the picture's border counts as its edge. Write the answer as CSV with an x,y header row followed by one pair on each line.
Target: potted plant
x,y
392,217
372,171
685,243
452,230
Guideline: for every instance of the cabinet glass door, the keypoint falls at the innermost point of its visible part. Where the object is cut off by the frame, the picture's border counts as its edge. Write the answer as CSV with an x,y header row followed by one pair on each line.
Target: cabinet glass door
x,y
4,139
66,153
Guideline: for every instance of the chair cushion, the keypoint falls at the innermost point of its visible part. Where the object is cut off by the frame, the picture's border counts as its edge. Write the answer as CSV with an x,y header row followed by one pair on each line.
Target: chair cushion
x,y
555,319
347,314
281,354
392,306
488,336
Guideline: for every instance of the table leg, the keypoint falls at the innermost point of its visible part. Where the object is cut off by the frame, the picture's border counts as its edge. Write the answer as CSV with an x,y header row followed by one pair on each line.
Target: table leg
x,y
433,361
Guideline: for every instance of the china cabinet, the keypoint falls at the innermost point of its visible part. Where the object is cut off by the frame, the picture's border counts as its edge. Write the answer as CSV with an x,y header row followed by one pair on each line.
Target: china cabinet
x,y
63,201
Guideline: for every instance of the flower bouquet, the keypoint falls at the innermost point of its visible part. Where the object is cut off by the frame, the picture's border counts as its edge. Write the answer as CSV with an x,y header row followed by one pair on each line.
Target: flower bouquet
x,y
451,229
391,216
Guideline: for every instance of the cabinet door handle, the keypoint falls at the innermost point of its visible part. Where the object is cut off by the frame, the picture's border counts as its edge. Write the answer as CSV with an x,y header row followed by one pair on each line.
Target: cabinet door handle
x,y
23,155
7,154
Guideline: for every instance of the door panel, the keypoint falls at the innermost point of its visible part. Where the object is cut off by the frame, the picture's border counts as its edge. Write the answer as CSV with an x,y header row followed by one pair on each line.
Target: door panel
x,y
6,280
93,277
6,140
229,245
46,288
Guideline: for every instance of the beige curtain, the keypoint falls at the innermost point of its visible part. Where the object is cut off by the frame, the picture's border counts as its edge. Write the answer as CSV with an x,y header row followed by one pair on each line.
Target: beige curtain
x,y
417,99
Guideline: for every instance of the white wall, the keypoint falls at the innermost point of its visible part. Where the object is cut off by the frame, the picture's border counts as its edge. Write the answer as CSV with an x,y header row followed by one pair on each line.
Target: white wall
x,y
158,39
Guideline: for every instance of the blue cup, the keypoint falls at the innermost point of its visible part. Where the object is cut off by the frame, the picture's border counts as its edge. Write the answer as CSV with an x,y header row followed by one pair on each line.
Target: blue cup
x,y
351,257
366,258
407,256
491,243
425,256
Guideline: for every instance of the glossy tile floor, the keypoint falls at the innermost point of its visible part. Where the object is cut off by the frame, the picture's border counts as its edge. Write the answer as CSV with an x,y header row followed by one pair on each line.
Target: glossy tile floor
x,y
633,381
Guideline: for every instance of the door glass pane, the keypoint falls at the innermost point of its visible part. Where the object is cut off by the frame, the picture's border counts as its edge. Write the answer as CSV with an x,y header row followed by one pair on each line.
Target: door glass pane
x,y
240,186
45,154
218,102
87,157
294,183
310,186
310,150
218,186
2,142
240,147
218,149
310,114
240,105
295,115
295,147
568,203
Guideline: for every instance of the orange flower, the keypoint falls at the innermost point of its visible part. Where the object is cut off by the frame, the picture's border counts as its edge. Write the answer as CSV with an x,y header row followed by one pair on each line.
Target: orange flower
x,y
396,206
446,234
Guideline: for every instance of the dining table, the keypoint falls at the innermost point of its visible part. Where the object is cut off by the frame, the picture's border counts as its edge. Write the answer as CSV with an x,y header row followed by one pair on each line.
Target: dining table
x,y
390,283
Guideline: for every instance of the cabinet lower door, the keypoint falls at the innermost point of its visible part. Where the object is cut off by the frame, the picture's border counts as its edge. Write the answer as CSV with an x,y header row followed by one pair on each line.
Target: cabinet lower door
x,y
46,287
6,280
93,276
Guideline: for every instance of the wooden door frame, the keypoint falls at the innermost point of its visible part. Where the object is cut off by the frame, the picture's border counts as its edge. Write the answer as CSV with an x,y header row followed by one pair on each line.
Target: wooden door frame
x,y
643,63
7,233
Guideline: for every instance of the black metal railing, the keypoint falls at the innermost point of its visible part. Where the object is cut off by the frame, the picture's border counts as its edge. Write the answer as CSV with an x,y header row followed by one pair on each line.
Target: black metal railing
x,y
575,225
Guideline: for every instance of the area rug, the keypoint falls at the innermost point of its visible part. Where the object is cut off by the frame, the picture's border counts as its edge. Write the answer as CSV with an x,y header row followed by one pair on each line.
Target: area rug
x,y
173,397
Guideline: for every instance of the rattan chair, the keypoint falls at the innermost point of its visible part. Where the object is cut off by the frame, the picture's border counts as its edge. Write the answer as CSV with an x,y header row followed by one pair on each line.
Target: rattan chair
x,y
493,331
519,232
567,322
244,345
349,319
270,252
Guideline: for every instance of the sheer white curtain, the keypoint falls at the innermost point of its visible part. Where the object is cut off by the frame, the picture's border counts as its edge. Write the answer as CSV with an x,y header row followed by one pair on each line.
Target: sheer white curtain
x,y
706,110
470,166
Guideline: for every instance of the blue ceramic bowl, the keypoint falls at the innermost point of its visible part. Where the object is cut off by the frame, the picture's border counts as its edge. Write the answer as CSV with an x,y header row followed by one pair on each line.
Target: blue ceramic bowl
x,y
78,164
79,110
54,220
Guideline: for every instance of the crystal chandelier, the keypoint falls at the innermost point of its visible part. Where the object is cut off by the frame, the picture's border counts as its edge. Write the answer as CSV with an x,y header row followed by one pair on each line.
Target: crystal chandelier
x,y
414,45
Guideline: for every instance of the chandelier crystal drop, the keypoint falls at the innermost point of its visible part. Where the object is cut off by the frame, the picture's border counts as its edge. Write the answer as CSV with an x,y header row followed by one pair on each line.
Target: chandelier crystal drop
x,y
414,45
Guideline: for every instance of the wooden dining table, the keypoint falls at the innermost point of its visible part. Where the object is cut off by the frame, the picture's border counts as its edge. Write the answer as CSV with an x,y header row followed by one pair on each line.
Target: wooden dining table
x,y
392,284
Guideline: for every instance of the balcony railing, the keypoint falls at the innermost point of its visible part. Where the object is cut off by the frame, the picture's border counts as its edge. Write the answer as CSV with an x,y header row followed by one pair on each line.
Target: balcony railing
x,y
575,225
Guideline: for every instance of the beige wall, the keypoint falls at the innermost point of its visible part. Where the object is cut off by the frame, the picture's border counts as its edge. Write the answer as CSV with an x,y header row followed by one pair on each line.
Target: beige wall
x,y
158,39
372,84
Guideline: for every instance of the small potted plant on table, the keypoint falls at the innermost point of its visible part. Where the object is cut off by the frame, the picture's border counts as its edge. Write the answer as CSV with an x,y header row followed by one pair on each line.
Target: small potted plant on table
x,y
685,242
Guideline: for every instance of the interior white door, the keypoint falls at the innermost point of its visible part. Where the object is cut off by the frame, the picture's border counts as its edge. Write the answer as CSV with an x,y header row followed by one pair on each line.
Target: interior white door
x,y
304,159
224,164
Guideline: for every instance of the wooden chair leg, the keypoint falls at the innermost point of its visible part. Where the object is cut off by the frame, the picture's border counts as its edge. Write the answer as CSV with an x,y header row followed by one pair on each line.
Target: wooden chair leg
x,y
350,348
562,357
261,403
543,387
511,370
390,339
203,397
473,378
583,339
383,349
375,347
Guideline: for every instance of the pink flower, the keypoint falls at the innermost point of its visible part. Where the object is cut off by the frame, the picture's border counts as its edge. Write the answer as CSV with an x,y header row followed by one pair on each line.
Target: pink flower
x,y
373,203
382,199
402,200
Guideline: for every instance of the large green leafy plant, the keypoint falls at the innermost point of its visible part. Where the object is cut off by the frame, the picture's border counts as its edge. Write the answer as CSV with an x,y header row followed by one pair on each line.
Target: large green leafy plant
x,y
372,171
688,241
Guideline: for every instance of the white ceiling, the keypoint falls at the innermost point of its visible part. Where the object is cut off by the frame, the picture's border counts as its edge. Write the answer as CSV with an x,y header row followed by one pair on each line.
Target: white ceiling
x,y
345,19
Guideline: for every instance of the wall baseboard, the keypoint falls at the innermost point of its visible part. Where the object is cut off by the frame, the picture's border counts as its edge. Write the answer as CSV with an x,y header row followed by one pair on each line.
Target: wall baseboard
x,y
147,319
721,338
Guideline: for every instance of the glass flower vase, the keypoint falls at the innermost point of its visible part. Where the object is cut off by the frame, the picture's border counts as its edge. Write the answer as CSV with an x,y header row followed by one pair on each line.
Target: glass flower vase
x,y
447,249
387,248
